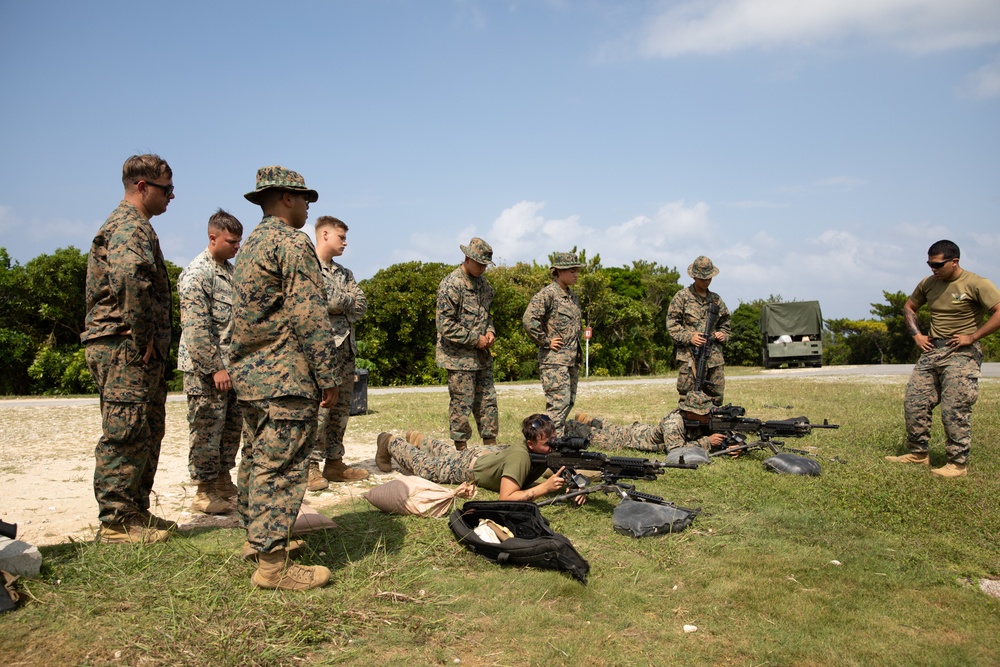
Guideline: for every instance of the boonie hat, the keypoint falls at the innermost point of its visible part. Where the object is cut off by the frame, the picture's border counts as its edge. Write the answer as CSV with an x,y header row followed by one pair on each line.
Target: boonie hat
x,y
279,178
565,260
478,250
696,402
703,268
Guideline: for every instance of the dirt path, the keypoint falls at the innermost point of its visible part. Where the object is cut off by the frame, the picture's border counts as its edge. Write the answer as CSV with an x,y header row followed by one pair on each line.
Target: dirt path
x,y
47,469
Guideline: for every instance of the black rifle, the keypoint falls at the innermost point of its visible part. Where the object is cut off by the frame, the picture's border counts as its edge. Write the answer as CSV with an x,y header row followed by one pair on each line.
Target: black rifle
x,y
572,454
8,529
729,420
701,356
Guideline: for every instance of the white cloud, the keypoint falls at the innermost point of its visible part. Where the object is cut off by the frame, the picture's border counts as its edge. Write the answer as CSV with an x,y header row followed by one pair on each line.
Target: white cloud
x,y
984,83
722,26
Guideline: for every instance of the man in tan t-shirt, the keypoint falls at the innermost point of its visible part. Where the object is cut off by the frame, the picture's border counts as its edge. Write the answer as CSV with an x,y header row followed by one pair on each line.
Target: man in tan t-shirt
x,y
949,365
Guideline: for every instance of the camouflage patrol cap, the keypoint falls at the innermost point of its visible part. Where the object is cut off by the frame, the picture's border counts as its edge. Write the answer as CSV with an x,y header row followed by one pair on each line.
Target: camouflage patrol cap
x,y
565,260
695,402
478,250
703,268
279,178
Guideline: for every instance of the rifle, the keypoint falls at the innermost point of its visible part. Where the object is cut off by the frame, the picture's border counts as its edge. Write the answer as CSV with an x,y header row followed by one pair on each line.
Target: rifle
x,y
701,356
572,454
729,419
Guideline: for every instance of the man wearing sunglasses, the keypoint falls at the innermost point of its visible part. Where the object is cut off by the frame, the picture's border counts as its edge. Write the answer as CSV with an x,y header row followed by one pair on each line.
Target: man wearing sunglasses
x,y
127,343
951,356
506,470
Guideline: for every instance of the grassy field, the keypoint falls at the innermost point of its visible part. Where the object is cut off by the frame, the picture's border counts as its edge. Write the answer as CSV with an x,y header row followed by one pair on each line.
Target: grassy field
x,y
755,572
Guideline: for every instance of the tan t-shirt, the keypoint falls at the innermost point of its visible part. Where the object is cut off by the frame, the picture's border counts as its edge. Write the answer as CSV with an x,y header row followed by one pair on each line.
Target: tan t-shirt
x,y
957,307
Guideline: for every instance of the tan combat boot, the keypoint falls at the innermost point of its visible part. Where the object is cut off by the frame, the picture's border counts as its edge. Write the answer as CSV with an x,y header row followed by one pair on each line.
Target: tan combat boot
x,y
316,481
922,458
207,501
951,470
460,445
336,470
383,459
130,532
583,418
415,438
293,549
225,488
489,442
275,571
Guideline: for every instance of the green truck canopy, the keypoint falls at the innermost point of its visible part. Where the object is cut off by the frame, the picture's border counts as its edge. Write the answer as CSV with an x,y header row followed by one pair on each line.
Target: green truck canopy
x,y
795,318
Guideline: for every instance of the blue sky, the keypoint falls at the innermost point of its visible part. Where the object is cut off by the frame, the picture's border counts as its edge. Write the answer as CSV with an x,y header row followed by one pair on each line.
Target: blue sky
x,y
811,149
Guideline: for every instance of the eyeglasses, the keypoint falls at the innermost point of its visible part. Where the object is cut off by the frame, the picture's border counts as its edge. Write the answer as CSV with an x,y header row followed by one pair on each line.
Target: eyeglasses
x,y
540,421
167,189
938,265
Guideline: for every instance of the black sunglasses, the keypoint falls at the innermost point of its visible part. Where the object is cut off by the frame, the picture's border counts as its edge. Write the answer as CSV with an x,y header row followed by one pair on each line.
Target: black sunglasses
x,y
938,265
537,424
167,189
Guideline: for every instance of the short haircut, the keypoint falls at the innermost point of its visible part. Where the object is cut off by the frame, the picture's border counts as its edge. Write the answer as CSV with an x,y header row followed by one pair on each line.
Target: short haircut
x,y
947,249
146,167
536,426
223,221
330,221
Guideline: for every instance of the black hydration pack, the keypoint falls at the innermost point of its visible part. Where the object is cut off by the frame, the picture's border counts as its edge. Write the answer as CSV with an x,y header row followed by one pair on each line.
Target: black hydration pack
x,y
534,543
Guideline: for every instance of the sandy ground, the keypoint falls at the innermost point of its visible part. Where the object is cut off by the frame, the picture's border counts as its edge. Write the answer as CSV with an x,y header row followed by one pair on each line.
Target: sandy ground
x,y
47,469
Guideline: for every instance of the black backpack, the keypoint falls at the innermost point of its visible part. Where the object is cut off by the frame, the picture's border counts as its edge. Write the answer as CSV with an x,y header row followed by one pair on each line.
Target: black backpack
x,y
534,543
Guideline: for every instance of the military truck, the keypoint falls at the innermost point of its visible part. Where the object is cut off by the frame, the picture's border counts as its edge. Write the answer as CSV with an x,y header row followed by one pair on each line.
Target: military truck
x,y
792,333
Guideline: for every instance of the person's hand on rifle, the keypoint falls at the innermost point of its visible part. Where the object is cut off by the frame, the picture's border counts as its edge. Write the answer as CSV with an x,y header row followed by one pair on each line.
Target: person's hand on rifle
x,y
698,339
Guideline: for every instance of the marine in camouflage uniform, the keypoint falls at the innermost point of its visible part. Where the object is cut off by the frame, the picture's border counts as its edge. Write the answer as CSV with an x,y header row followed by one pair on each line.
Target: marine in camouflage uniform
x,y
439,461
553,320
283,356
465,334
948,370
127,342
205,289
670,433
346,304
686,319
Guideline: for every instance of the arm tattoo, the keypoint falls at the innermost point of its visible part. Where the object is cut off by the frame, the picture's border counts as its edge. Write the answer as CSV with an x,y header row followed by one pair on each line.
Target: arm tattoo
x,y
911,321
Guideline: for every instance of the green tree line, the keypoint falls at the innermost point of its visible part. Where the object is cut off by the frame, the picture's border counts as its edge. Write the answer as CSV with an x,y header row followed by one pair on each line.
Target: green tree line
x,y
42,311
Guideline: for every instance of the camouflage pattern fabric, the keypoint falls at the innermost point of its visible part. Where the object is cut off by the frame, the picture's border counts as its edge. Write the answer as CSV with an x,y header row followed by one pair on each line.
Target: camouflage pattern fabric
x,y
436,460
279,434
463,315
282,341
205,289
333,420
949,377
559,384
472,392
215,425
555,312
669,434
128,450
714,385
687,315
283,353
127,284
346,304
127,290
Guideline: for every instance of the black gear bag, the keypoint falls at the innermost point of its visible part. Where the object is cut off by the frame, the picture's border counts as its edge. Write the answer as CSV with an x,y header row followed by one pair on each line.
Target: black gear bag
x,y
533,544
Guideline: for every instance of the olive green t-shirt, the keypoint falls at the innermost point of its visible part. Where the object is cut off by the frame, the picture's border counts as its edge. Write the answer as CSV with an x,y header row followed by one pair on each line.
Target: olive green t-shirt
x,y
957,307
513,462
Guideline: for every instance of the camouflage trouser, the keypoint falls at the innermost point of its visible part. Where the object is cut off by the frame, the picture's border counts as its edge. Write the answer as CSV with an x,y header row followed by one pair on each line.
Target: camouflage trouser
x,y
645,437
133,415
714,385
472,392
278,435
559,384
214,427
436,460
333,420
951,378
